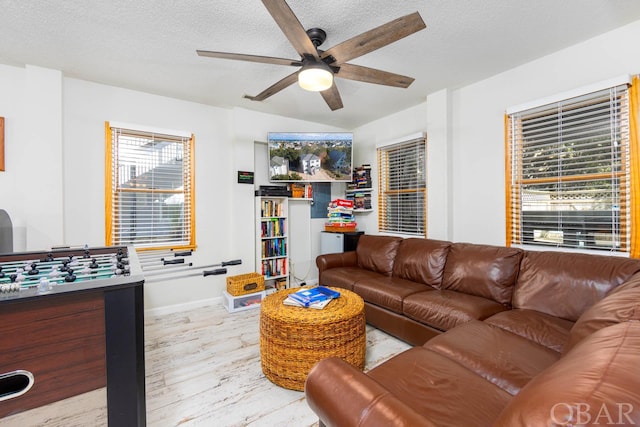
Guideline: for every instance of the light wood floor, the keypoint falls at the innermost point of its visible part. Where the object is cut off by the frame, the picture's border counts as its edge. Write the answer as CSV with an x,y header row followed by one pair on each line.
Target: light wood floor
x,y
203,369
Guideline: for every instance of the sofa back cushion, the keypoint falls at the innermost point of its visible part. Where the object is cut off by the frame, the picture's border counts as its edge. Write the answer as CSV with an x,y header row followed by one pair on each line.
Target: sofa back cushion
x,y
594,384
565,284
482,270
421,260
633,282
376,253
614,308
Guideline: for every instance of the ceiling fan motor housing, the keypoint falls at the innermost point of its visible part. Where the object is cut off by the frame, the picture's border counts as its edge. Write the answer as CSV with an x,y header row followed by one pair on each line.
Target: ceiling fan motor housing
x,y
317,36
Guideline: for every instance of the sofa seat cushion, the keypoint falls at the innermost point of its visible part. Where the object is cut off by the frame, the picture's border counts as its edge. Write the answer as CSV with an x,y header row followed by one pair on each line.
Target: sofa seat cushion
x,y
541,328
377,253
443,309
596,383
499,356
421,260
444,392
387,292
614,308
345,277
341,395
482,270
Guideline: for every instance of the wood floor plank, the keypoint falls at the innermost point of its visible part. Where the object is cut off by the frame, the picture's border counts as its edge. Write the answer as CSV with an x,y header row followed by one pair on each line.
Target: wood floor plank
x,y
203,369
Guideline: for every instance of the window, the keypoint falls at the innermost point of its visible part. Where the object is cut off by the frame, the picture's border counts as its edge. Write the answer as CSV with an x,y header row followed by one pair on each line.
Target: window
x,y
149,189
571,173
402,188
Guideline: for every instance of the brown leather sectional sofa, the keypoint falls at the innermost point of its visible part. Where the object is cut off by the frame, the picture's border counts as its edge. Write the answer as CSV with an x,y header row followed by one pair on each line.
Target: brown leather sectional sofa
x,y
502,337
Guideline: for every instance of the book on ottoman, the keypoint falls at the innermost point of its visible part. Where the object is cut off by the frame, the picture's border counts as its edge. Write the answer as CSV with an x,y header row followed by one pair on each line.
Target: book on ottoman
x,y
313,296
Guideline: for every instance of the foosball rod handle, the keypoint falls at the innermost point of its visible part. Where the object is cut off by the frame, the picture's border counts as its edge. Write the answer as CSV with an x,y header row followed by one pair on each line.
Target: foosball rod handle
x,y
232,262
184,253
215,272
173,261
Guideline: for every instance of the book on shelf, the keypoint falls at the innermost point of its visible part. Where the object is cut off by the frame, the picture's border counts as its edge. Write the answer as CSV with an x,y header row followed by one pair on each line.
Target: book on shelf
x,y
361,178
273,227
272,208
306,297
274,248
301,191
274,267
361,200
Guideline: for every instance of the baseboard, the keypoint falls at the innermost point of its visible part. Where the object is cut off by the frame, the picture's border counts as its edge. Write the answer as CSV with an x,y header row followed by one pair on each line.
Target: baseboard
x,y
311,282
168,309
175,308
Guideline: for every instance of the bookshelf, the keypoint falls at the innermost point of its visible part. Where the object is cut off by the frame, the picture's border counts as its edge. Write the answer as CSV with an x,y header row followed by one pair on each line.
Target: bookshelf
x,y
361,199
359,190
272,242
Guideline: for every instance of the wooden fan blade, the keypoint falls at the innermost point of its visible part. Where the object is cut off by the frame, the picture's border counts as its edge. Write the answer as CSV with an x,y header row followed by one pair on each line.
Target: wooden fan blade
x,y
275,88
376,38
371,75
332,97
291,27
250,58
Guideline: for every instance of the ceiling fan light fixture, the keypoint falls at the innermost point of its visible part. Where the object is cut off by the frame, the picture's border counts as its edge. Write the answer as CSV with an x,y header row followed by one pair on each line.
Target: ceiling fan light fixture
x,y
315,77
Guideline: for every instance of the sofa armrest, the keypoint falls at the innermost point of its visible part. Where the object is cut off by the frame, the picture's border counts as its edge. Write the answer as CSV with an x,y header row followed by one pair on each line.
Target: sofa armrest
x,y
343,396
327,261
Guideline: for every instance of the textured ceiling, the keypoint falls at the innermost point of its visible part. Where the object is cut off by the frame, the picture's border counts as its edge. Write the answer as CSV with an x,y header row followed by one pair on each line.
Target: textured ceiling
x,y
149,45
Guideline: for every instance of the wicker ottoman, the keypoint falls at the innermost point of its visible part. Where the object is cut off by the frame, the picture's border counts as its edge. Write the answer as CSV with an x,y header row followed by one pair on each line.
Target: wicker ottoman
x,y
294,339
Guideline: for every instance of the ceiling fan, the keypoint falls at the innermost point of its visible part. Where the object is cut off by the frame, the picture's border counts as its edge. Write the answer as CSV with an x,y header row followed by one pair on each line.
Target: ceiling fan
x,y
318,67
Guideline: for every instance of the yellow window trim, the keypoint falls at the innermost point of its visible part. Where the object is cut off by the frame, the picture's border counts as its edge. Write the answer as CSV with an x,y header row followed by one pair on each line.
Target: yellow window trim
x,y
634,156
634,182
109,202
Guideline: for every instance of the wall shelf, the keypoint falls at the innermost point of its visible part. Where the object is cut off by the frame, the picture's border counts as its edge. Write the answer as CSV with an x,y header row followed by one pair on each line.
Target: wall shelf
x,y
358,190
361,199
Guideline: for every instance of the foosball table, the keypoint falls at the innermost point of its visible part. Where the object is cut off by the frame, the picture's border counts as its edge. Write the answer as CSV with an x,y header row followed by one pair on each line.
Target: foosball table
x,y
72,321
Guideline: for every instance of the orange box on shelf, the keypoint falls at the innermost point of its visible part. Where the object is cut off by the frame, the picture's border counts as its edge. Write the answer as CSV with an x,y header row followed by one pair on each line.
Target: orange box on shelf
x,y
334,228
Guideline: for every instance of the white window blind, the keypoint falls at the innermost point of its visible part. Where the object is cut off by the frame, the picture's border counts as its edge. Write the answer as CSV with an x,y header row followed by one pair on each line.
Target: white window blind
x,y
402,189
150,194
569,173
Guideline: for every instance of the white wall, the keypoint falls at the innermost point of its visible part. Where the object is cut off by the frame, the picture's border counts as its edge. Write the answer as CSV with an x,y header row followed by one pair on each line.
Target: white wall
x,y
86,108
31,187
54,184
12,82
465,133
434,118
478,190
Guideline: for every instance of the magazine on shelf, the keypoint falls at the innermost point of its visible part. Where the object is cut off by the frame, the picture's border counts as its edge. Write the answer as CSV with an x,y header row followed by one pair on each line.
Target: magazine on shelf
x,y
308,296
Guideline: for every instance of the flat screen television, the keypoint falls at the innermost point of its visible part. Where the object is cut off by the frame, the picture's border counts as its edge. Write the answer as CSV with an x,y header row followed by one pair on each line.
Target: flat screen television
x,y
310,156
